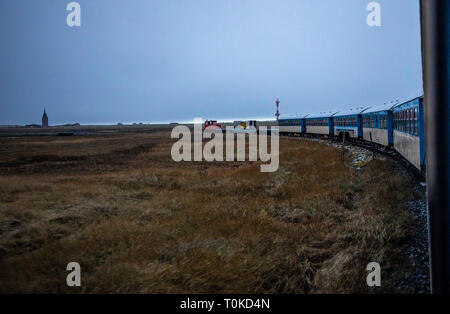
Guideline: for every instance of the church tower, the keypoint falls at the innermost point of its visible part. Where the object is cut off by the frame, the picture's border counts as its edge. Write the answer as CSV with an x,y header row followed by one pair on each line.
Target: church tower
x,y
44,120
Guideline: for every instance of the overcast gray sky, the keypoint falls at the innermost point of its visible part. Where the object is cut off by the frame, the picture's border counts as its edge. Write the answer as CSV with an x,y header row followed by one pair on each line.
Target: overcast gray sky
x,y
173,60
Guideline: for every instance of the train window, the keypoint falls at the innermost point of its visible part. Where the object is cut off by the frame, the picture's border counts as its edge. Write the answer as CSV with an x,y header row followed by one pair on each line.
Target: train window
x,y
396,120
403,114
411,122
416,122
402,120
407,120
410,119
402,125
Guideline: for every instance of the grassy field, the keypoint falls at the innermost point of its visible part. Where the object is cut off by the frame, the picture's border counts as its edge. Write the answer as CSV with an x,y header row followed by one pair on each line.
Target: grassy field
x,y
138,222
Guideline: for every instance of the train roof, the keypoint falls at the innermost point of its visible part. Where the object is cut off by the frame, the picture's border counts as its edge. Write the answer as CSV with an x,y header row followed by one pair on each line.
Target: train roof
x,y
380,108
292,117
354,111
350,112
321,115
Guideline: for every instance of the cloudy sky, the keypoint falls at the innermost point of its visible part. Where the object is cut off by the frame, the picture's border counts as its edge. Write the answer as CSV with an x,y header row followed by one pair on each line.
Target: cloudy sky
x,y
173,60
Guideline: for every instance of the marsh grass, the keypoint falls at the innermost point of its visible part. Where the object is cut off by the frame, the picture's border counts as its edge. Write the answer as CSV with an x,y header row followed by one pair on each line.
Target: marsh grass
x,y
138,222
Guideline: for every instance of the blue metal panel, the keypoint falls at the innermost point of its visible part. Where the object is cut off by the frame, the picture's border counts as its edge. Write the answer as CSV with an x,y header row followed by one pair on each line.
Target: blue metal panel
x,y
360,128
331,125
303,124
390,127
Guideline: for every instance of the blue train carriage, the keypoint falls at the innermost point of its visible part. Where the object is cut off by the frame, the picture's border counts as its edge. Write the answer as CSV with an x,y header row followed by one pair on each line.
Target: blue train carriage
x,y
290,126
409,131
321,124
349,123
377,125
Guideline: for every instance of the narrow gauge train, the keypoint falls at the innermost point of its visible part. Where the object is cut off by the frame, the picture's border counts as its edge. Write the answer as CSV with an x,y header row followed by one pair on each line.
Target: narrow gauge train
x,y
398,126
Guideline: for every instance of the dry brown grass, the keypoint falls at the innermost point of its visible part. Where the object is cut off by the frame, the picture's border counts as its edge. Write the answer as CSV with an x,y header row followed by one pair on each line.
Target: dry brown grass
x,y
138,222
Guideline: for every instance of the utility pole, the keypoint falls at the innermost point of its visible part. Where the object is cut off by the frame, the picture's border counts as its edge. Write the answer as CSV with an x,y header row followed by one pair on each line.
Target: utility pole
x,y
435,28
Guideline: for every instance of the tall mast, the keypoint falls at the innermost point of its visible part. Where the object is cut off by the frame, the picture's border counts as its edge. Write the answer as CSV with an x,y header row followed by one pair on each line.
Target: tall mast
x,y
277,114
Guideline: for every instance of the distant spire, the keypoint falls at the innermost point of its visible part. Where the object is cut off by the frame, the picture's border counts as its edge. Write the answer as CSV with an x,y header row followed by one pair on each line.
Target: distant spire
x,y
44,119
